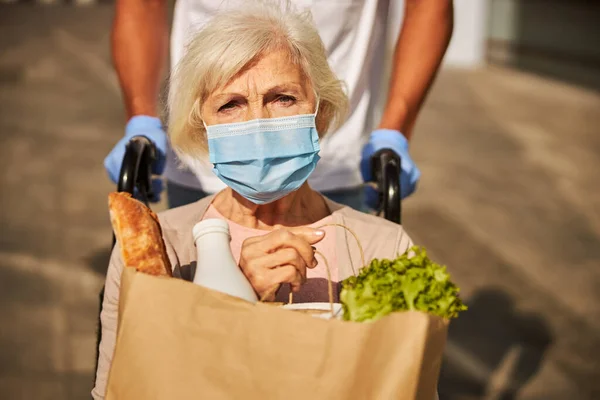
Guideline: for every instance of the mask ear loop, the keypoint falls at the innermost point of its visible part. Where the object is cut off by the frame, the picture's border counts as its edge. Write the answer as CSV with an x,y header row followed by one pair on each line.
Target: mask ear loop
x,y
317,113
318,103
204,123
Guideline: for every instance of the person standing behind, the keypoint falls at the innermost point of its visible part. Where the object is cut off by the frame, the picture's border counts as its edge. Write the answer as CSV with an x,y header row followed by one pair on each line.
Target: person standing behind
x,y
353,32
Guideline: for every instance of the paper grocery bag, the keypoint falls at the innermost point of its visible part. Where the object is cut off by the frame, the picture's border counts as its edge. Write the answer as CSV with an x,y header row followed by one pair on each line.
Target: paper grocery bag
x,y
177,340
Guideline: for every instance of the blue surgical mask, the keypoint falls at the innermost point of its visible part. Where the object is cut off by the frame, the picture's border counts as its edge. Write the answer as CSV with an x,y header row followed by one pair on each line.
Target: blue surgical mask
x,y
265,159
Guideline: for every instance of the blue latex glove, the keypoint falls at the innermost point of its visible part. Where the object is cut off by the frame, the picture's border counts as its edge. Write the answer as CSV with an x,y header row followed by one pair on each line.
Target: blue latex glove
x,y
394,140
140,125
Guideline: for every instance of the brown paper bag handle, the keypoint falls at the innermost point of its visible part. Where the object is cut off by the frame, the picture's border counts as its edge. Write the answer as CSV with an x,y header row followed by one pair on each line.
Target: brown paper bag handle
x,y
360,248
329,282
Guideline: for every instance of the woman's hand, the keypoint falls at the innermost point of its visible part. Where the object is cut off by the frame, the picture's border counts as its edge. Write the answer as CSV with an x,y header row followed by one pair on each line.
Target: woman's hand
x,y
281,256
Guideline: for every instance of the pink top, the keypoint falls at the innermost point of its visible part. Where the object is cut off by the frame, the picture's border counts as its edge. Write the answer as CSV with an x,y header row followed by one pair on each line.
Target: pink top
x,y
315,288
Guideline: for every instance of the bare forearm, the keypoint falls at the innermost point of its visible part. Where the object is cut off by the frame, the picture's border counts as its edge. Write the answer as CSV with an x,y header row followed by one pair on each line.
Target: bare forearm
x,y
139,50
423,40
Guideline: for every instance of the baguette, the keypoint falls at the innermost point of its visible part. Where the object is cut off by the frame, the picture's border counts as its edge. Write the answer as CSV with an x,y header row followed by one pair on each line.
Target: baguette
x,y
139,235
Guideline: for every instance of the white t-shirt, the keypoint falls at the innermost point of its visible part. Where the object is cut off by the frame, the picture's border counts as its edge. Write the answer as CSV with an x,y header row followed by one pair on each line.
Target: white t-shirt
x,y
354,33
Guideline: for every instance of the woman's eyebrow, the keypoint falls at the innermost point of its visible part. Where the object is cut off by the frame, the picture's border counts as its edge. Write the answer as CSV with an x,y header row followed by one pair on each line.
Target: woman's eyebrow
x,y
289,88
222,96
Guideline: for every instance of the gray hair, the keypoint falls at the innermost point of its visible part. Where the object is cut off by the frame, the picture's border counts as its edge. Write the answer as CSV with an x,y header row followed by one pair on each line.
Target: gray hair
x,y
229,43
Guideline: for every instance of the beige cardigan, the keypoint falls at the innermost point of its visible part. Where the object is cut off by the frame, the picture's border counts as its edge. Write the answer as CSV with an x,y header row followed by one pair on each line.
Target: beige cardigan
x,y
378,237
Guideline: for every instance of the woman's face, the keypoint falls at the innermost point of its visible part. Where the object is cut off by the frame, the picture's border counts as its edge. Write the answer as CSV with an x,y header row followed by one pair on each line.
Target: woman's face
x,y
272,87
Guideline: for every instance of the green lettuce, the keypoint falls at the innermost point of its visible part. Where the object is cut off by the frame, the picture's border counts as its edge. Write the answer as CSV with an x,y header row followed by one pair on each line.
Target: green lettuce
x,y
406,283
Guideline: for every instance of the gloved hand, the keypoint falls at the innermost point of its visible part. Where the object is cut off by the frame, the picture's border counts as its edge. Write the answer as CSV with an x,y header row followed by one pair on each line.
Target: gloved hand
x,y
140,125
394,140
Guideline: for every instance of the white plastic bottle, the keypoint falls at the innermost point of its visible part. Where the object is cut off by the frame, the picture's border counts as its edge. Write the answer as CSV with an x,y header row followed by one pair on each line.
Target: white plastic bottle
x,y
216,268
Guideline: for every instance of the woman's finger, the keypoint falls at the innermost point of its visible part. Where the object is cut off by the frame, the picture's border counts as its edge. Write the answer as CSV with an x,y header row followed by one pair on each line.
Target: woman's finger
x,y
286,274
285,256
284,238
268,281
311,235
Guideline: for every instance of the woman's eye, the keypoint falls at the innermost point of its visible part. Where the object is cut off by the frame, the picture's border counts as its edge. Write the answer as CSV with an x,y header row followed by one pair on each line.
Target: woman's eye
x,y
228,106
286,100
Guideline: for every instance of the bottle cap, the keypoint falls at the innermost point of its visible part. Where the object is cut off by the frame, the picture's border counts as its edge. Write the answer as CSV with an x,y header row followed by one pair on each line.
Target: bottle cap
x,y
211,225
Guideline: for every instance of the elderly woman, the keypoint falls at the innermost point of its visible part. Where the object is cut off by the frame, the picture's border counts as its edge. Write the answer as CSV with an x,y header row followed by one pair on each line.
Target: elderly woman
x,y
255,94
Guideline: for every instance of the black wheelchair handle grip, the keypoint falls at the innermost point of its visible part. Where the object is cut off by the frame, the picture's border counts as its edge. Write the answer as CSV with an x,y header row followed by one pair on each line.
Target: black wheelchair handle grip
x,y
136,172
386,166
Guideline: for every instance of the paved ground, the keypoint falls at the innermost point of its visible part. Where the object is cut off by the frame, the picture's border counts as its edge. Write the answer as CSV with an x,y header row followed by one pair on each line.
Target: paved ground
x,y
509,200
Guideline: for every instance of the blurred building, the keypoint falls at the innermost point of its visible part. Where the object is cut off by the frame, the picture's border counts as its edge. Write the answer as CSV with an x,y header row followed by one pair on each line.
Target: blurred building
x,y
556,38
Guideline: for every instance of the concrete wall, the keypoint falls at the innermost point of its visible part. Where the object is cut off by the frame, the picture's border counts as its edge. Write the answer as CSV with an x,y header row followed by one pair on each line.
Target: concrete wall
x,y
559,26
555,38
